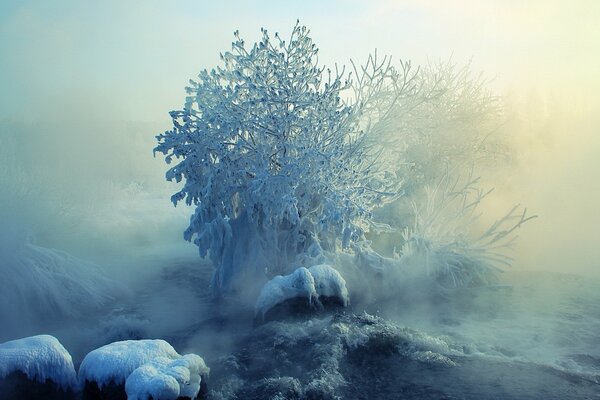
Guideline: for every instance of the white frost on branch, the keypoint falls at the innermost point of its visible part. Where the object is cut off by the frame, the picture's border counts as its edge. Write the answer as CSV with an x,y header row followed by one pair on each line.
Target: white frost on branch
x,y
443,241
273,160
288,162
46,284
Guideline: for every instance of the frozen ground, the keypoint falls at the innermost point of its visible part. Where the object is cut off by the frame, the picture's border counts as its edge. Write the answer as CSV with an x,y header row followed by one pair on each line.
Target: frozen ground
x,y
512,341
508,342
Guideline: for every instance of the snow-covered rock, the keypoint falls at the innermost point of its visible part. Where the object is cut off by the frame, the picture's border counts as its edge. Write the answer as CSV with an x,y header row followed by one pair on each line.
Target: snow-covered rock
x,y
39,357
142,368
329,283
298,284
166,379
312,283
114,362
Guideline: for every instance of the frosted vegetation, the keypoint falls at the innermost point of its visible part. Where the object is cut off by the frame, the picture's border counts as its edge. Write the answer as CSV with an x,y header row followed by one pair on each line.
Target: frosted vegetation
x,y
289,164
39,285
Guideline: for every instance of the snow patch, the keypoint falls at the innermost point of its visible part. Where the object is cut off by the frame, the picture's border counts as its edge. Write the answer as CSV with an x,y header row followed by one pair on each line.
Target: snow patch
x,y
329,283
314,282
299,283
39,357
167,379
116,361
148,368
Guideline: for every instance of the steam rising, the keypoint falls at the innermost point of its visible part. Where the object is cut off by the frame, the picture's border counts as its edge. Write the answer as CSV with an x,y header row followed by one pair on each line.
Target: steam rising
x,y
85,91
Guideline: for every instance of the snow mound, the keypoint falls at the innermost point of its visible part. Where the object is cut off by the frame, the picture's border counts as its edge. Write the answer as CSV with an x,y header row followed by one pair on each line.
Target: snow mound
x,y
299,283
329,283
166,379
319,280
116,361
39,357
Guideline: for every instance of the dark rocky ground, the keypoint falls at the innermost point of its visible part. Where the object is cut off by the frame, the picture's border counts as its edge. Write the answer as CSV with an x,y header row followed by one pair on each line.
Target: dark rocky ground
x,y
333,353
363,357
16,386
348,354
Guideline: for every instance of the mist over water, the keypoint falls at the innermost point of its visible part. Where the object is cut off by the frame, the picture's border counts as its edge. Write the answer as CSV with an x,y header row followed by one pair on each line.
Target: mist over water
x,y
82,103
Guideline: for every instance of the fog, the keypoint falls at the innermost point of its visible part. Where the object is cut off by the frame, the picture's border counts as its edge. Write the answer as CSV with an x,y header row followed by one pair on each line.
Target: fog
x,y
86,88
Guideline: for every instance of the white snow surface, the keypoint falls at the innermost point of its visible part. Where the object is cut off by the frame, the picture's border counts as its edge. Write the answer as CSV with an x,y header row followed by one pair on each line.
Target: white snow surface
x,y
329,282
39,357
116,361
166,379
318,280
299,283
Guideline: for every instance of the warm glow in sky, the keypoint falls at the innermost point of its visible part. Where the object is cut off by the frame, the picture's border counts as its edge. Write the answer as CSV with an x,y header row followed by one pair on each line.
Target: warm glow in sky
x,y
148,50
114,61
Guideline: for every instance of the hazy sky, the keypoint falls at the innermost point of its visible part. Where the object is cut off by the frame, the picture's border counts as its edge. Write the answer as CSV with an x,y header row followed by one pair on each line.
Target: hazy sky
x,y
86,68
133,58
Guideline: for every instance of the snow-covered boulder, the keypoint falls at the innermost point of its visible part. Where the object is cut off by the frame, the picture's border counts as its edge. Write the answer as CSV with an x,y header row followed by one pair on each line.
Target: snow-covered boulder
x,y
298,284
329,283
319,281
166,379
114,362
39,357
141,368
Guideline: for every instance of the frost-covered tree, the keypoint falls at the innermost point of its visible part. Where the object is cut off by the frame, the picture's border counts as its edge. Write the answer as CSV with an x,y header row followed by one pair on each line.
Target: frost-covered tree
x,y
429,123
450,242
277,165
288,163
428,119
